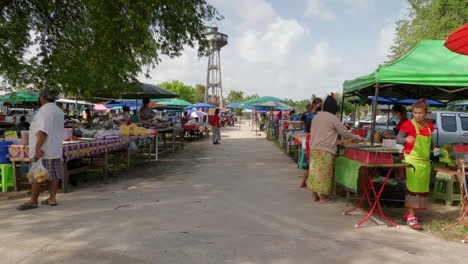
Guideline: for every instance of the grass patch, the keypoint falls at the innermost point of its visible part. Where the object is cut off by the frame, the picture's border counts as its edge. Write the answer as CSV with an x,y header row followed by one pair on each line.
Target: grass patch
x,y
455,233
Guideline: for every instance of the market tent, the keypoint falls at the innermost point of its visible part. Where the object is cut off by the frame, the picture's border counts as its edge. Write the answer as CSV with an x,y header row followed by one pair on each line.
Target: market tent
x,y
141,91
172,101
428,71
395,101
200,105
100,108
20,96
274,104
234,105
263,99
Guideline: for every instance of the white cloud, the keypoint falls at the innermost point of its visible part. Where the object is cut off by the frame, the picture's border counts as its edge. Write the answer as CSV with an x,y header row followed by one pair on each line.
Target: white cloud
x,y
261,57
316,8
272,44
387,35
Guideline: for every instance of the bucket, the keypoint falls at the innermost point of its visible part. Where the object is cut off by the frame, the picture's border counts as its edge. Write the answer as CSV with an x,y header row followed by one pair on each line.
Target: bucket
x,y
67,133
4,155
25,137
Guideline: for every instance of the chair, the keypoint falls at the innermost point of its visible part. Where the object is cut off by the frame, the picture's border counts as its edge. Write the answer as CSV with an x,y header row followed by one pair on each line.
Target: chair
x,y
8,179
446,188
302,161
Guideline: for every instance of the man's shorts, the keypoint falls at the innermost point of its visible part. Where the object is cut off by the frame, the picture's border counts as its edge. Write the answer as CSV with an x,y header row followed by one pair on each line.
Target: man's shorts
x,y
55,168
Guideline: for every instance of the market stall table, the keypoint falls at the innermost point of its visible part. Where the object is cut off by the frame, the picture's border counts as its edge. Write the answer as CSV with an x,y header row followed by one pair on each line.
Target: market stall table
x,y
168,130
20,153
347,172
464,199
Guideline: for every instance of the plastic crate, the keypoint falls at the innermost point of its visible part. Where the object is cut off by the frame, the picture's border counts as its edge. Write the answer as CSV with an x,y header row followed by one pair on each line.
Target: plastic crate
x,y
350,153
373,157
359,132
460,148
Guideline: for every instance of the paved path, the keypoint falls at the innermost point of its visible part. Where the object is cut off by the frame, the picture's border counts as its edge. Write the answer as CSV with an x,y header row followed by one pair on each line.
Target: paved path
x,y
237,202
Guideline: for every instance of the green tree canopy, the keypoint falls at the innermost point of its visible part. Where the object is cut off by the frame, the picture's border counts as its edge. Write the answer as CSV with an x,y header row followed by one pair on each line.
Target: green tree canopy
x,y
199,93
186,92
234,97
427,19
86,46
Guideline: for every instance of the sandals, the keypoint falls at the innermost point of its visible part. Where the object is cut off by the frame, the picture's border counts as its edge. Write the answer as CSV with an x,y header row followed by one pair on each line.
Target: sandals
x,y
46,202
26,206
405,218
413,223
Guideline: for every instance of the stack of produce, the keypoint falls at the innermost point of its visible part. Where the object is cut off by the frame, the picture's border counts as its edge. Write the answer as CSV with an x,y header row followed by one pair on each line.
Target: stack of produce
x,y
134,130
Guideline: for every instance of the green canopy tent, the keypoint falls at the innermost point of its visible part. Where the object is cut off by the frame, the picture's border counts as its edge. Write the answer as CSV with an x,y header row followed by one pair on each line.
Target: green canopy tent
x,y
429,71
20,97
263,100
172,102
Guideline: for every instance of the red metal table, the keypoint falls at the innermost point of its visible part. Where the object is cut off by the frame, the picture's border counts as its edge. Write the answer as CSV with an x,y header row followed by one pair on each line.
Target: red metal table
x,y
367,183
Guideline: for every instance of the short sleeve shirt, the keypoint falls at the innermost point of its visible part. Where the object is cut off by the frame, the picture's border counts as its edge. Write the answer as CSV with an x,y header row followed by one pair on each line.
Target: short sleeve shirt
x,y
146,113
49,119
409,129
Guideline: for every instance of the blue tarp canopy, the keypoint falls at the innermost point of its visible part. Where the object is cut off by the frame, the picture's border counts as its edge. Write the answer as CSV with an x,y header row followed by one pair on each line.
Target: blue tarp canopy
x,y
395,101
235,105
199,105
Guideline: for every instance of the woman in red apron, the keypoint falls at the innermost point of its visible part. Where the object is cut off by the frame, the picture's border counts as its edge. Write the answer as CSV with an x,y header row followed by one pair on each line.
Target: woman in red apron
x,y
416,135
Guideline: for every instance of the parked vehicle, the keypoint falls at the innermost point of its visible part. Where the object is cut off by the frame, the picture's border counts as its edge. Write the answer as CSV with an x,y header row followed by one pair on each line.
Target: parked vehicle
x,y
14,115
449,127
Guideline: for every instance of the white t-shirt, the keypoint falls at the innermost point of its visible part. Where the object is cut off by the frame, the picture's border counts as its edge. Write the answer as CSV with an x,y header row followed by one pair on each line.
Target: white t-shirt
x,y
49,119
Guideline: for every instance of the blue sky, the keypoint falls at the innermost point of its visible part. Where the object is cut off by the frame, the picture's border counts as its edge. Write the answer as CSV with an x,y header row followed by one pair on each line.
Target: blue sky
x,y
293,49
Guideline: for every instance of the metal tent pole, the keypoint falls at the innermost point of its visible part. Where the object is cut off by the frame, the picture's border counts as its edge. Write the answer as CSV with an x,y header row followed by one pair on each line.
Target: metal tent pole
x,y
374,108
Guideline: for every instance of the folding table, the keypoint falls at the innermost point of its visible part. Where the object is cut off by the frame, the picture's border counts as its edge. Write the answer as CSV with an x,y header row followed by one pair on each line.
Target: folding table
x,y
366,174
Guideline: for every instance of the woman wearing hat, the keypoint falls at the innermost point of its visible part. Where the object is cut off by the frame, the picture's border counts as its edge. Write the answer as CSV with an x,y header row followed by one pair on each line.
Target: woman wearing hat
x,y
324,133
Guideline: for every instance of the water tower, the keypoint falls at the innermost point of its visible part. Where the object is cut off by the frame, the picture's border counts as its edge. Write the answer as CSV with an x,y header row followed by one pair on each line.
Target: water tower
x,y
214,87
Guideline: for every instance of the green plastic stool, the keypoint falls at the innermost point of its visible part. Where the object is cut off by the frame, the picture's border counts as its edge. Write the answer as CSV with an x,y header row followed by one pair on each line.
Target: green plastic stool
x,y
8,179
446,188
302,162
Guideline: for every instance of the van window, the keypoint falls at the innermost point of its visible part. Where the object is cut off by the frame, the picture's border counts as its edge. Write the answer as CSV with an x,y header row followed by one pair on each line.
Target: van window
x,y
464,122
449,123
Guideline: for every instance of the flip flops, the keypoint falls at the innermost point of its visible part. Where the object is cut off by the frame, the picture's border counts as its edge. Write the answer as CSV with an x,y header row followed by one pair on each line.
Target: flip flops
x,y
46,202
25,207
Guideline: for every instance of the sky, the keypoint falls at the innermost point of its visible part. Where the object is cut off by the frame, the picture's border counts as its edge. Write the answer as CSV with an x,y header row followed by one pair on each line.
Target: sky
x,y
292,49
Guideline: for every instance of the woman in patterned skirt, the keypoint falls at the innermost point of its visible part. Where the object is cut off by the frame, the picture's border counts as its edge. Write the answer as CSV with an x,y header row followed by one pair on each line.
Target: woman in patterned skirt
x,y
324,133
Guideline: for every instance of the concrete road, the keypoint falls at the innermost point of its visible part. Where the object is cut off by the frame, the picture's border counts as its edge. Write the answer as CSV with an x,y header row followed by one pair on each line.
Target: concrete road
x,y
237,202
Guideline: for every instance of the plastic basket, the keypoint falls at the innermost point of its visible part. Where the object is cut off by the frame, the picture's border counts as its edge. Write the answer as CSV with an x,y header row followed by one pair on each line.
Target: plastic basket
x,y
359,132
373,157
460,148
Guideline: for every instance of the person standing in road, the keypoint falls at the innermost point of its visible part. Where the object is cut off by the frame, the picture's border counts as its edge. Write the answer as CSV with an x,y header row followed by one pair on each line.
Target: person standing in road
x,y
416,136
311,113
215,124
45,142
324,133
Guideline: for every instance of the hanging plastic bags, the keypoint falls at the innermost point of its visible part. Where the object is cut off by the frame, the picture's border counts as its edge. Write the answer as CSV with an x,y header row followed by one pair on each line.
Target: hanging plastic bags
x,y
38,172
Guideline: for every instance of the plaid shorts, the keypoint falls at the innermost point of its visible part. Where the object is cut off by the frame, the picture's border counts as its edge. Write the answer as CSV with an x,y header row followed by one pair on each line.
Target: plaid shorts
x,y
55,168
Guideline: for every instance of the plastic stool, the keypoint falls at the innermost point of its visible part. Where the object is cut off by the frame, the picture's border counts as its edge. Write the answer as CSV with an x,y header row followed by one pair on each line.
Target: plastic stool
x,y
302,162
446,188
8,179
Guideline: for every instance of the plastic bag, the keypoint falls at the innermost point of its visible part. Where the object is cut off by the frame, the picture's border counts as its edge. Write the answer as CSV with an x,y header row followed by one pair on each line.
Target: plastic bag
x,y
132,146
38,172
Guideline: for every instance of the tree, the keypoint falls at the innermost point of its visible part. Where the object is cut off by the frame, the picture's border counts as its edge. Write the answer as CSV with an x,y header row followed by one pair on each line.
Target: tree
x,y
250,97
199,93
90,46
186,92
427,19
234,97
348,107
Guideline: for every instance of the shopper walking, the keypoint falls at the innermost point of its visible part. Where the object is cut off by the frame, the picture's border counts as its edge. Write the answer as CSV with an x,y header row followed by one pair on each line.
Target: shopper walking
x,y
45,143
215,124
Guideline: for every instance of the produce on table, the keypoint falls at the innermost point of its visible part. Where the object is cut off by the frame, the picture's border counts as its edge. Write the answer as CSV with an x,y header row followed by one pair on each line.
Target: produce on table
x,y
133,130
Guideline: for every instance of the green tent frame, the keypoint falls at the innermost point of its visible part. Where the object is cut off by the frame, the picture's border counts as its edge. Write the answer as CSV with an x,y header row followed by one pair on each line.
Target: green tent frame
x,y
430,71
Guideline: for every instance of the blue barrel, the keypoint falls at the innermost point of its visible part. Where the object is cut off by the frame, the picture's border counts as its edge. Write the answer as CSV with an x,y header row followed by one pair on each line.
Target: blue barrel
x,y
4,151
